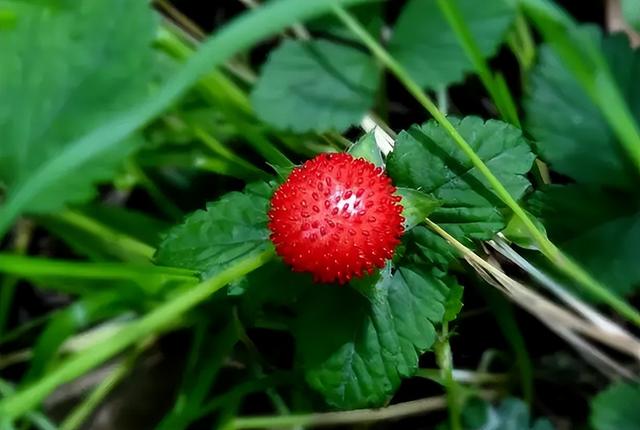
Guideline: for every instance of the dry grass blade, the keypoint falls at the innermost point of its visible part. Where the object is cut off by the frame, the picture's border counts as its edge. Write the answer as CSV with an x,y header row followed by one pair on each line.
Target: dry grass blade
x,y
559,319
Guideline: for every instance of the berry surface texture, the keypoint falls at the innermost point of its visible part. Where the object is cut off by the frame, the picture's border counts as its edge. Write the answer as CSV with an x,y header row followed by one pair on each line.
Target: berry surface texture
x,y
336,217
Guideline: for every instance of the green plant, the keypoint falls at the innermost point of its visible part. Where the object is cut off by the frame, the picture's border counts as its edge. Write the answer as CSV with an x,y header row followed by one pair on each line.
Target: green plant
x,y
118,123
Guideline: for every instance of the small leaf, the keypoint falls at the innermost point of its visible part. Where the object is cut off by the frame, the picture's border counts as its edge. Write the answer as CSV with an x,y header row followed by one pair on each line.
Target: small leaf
x,y
426,158
517,233
616,408
571,133
416,206
601,230
356,346
66,71
315,86
426,45
367,148
232,227
511,414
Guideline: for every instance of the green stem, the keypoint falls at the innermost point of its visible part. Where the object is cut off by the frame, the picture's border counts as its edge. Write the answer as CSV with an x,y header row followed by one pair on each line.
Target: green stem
x,y
30,267
83,411
8,284
496,87
561,261
18,404
445,362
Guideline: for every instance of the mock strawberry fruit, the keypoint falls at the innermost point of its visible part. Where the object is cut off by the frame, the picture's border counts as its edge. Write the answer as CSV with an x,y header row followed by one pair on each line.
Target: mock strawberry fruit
x,y
336,217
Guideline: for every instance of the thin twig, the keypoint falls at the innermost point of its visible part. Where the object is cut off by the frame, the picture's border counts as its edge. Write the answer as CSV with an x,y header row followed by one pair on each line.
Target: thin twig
x,y
358,416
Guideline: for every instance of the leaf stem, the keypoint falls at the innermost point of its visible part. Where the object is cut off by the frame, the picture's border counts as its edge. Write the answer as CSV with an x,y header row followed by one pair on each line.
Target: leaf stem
x,y
22,401
563,262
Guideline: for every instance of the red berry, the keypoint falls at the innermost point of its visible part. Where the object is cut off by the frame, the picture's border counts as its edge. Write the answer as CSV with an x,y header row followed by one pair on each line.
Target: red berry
x,y
336,217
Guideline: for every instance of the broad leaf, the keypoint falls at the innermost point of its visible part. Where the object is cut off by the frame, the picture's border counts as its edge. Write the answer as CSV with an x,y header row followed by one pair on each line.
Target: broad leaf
x,y
616,408
232,227
426,45
571,133
315,86
427,159
65,71
511,414
599,229
355,346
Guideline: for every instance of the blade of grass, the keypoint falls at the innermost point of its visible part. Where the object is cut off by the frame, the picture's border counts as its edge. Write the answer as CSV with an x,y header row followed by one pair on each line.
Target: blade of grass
x,y
84,410
557,257
36,419
23,401
30,267
497,89
237,36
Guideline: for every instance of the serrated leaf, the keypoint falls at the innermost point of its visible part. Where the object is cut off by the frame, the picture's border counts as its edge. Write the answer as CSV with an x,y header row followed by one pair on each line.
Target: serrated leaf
x,y
367,148
511,414
426,45
571,133
616,408
66,71
427,249
416,206
427,159
232,227
601,230
356,346
315,86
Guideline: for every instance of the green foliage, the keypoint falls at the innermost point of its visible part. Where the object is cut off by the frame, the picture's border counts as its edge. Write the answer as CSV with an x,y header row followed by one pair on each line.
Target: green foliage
x,y
356,345
425,44
367,148
425,158
315,86
616,408
599,229
631,13
416,206
511,414
232,228
68,71
571,133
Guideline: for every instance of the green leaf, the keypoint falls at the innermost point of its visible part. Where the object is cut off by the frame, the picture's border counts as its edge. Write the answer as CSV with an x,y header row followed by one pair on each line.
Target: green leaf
x,y
425,44
616,408
601,230
367,148
356,346
631,13
231,228
511,414
416,206
315,86
67,71
518,233
571,133
427,249
427,159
